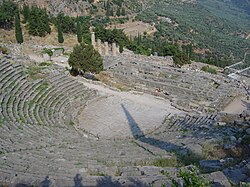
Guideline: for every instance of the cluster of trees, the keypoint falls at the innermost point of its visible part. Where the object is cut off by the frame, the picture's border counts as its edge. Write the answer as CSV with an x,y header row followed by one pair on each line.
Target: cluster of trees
x,y
8,9
9,16
68,24
109,8
206,25
38,21
145,45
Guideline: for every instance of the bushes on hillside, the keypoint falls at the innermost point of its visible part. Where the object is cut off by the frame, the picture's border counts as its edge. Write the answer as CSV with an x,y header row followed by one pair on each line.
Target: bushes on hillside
x,y
38,22
209,69
7,14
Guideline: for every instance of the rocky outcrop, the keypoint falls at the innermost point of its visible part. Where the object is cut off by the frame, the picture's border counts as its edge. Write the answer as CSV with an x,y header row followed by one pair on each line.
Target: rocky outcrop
x,y
72,8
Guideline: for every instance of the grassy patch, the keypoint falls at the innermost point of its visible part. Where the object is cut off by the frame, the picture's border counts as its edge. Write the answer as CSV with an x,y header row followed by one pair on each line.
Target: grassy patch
x,y
45,64
96,173
191,178
109,80
165,162
4,49
43,86
188,159
71,123
35,72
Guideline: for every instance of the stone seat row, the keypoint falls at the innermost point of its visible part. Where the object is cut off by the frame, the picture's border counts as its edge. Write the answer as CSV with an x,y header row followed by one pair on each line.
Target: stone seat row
x,y
24,100
193,122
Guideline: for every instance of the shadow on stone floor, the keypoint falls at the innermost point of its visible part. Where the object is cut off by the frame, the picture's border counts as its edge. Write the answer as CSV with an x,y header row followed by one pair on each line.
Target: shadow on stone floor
x,y
106,181
167,146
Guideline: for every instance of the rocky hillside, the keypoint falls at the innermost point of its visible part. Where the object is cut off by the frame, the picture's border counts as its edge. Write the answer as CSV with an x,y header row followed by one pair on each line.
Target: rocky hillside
x,y
85,7
219,27
69,7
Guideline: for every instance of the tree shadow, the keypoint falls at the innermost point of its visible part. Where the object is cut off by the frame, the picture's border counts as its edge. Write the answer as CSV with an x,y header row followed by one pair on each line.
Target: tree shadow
x,y
166,146
78,180
108,181
46,182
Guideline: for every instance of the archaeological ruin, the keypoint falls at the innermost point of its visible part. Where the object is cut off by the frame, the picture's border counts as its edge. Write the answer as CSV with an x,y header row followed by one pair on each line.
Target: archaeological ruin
x,y
59,130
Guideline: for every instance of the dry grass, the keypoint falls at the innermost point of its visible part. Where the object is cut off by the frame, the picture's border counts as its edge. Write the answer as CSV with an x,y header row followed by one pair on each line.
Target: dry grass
x,y
70,40
109,80
212,151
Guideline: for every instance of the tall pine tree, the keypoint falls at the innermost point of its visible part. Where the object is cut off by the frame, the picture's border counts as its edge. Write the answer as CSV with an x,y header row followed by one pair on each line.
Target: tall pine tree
x,y
123,13
26,13
79,31
18,29
59,34
118,12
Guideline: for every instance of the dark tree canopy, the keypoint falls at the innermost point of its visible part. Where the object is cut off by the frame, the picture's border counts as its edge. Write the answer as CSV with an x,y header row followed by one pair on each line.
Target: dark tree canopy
x,y
68,24
85,58
59,33
18,29
38,22
7,14
79,31
26,13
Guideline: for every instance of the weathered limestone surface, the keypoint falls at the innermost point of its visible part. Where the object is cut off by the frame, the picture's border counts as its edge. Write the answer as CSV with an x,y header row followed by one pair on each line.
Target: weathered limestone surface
x,y
56,131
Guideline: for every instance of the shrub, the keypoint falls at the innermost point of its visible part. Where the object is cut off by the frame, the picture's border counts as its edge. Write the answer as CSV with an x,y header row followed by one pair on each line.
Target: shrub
x,y
85,58
4,50
191,178
209,69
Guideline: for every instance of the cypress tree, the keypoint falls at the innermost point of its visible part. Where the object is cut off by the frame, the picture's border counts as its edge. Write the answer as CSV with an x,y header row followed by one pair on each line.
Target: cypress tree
x,y
79,31
123,12
60,34
118,12
111,13
121,47
18,29
45,21
26,13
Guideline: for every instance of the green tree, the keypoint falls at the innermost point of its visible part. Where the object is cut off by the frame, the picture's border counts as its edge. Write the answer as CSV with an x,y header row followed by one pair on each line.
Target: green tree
x,y
7,14
59,29
85,58
59,33
79,31
67,23
108,7
118,12
26,13
38,22
18,29
121,46
49,52
181,58
123,12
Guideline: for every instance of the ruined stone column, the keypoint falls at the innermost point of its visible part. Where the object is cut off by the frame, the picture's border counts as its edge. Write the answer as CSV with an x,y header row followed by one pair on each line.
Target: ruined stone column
x,y
106,48
99,46
93,39
114,50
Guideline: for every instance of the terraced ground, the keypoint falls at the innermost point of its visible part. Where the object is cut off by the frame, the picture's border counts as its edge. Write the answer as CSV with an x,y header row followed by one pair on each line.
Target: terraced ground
x,y
46,137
